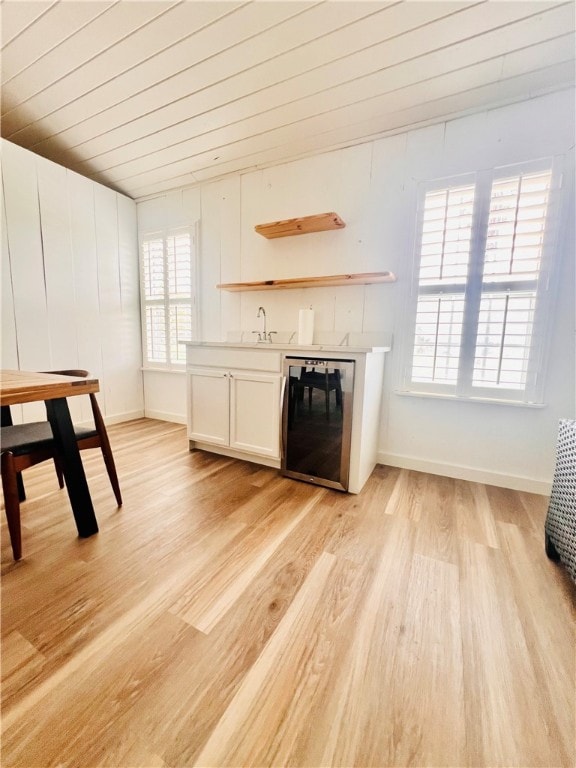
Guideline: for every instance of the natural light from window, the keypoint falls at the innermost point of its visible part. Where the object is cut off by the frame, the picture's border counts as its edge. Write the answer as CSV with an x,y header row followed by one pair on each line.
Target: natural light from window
x,y
168,296
480,257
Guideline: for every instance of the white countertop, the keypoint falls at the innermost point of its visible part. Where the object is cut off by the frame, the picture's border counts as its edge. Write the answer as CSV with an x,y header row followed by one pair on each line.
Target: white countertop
x,y
290,348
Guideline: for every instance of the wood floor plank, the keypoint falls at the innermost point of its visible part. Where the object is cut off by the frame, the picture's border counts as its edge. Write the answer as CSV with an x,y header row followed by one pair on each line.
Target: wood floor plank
x,y
275,698
229,616
505,720
360,522
92,695
408,495
426,697
235,644
507,507
536,507
353,725
126,749
475,520
224,580
21,661
71,630
438,521
550,639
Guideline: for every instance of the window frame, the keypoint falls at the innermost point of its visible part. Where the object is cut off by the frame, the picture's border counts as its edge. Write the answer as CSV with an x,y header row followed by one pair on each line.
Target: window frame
x,y
464,389
165,301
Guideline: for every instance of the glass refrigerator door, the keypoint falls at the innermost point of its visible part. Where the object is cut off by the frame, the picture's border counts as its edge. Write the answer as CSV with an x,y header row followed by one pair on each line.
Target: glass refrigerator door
x,y
318,421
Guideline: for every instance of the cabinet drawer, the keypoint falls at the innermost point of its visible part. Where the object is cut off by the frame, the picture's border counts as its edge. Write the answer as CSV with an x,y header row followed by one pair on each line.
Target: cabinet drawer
x,y
249,359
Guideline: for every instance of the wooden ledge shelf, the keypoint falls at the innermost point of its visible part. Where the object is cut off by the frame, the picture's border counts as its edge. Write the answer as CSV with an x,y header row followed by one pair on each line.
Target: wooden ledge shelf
x,y
303,226
362,278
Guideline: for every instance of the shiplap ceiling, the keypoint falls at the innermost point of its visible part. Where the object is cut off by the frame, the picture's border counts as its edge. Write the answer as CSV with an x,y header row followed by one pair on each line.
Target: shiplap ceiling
x,y
148,96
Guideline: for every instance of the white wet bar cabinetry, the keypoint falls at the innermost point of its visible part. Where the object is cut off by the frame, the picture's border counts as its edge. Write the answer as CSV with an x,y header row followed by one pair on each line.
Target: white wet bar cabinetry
x,y
235,394
234,401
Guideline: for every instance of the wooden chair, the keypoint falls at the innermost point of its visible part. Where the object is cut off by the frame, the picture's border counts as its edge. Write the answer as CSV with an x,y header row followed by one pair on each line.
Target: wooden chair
x,y
24,445
325,380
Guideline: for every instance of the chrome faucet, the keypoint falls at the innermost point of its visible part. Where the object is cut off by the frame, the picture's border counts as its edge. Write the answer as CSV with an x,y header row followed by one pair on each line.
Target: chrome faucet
x,y
262,313
262,335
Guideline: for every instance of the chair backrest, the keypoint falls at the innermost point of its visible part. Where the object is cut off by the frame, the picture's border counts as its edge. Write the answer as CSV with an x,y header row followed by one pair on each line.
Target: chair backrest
x,y
80,373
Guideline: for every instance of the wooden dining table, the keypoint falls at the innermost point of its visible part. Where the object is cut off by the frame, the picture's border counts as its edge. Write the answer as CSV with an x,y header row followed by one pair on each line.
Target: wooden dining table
x,y
18,387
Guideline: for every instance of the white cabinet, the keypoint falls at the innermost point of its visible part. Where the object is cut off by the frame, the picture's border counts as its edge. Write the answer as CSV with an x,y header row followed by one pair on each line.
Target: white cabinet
x,y
235,409
255,405
235,393
209,405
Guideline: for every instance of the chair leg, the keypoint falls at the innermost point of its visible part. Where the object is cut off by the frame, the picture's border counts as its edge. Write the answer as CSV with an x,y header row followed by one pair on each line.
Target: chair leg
x,y
12,503
111,467
106,450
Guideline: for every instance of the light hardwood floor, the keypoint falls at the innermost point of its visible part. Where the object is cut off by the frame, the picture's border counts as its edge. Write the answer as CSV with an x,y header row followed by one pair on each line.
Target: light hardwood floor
x,y
227,616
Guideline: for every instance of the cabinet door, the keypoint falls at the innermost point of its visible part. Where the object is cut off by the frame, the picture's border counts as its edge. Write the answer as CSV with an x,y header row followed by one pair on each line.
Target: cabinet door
x,y
208,405
255,413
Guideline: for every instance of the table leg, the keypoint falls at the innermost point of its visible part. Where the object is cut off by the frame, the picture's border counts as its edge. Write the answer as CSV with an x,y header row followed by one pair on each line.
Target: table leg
x,y
74,475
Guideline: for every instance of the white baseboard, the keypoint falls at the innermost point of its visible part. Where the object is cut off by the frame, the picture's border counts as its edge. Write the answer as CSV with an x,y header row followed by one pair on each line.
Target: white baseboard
x,y
177,418
514,482
118,418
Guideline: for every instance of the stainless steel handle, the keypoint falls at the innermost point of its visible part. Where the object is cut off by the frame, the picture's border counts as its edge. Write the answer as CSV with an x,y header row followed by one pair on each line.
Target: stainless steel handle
x,y
283,405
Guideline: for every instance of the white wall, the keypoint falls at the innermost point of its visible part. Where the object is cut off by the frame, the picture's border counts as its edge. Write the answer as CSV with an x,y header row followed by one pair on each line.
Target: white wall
x,y
70,291
373,188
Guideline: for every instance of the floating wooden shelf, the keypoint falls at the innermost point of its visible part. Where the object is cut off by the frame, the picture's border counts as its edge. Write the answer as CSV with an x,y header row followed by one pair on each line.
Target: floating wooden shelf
x,y
362,278
318,223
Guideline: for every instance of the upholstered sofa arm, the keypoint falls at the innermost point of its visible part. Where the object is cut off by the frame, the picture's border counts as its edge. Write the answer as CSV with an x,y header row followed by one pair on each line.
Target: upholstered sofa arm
x,y
560,526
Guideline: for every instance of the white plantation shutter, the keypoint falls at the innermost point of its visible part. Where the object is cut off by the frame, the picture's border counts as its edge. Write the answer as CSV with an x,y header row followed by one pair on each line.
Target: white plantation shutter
x,y
179,257
504,339
438,337
516,225
156,349
446,234
168,295
153,268
153,285
480,253
444,258
513,256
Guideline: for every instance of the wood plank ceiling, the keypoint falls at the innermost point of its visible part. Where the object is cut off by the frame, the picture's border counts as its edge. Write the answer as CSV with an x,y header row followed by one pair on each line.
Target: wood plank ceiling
x,y
148,96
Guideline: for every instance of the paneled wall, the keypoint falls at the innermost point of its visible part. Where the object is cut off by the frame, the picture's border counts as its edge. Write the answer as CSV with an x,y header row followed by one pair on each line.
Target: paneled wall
x,y
70,290
373,188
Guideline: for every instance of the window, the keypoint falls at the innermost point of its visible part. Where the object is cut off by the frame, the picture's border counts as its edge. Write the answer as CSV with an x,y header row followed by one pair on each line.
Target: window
x,y
481,282
168,296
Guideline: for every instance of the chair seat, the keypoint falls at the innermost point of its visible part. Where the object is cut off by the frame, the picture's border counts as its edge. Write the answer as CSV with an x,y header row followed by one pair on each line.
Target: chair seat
x,y
22,438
